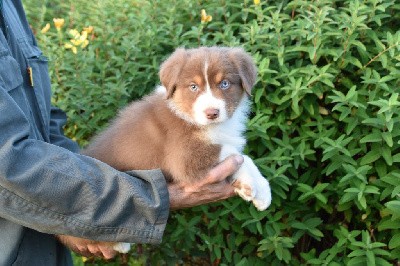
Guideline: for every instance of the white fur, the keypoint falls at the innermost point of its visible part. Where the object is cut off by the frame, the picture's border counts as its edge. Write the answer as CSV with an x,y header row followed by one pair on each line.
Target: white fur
x,y
249,175
208,89
204,102
229,134
161,90
122,247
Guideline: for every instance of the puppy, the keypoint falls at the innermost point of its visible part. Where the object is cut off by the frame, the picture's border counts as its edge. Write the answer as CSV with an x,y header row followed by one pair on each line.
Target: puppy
x,y
191,123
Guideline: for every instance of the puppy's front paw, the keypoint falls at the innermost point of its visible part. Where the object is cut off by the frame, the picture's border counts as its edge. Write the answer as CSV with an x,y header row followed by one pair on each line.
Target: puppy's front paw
x,y
245,191
122,247
251,185
263,197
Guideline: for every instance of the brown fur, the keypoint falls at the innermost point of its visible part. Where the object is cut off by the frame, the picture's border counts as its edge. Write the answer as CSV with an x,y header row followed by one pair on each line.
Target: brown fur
x,y
147,134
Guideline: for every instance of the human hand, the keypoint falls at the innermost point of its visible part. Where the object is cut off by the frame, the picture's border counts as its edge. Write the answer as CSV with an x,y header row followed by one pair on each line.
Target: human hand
x,y
214,187
88,248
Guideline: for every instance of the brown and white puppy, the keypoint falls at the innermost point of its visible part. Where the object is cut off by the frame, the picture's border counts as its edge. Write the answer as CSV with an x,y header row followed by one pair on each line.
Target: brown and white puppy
x,y
190,123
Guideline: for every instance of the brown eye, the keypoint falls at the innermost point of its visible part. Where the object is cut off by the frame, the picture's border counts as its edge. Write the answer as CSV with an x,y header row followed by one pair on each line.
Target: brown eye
x,y
224,85
193,87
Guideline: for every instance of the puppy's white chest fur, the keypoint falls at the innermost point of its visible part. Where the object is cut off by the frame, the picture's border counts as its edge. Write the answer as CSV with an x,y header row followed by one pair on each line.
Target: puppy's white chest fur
x,y
229,134
251,185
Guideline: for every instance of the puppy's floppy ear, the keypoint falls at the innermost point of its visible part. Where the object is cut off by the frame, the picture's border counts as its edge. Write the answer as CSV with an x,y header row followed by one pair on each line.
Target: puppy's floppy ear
x,y
170,70
246,67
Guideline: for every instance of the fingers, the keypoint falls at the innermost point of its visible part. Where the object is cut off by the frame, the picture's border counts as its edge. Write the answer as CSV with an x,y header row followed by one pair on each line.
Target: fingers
x,y
94,250
214,187
224,169
98,249
107,251
222,190
88,248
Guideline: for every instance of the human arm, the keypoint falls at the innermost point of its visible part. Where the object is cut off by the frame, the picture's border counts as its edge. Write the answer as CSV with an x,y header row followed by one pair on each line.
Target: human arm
x,y
52,190
213,187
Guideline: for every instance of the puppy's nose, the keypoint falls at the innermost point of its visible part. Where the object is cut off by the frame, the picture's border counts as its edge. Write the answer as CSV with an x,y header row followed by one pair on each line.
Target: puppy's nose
x,y
212,113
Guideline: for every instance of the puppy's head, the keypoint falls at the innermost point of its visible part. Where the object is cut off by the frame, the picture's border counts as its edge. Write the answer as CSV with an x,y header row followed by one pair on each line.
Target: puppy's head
x,y
206,85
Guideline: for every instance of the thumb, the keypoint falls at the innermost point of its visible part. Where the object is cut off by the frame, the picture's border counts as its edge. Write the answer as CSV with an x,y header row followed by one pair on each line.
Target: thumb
x,y
224,169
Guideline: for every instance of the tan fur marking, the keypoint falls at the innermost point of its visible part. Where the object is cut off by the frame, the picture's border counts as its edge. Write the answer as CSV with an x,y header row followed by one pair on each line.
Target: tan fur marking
x,y
219,77
198,80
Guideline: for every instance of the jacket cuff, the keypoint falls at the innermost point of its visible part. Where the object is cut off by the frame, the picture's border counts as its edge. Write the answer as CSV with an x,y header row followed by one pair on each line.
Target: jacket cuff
x,y
161,198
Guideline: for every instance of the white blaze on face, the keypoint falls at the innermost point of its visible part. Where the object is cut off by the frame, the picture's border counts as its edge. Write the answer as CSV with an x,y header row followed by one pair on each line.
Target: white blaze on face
x,y
207,101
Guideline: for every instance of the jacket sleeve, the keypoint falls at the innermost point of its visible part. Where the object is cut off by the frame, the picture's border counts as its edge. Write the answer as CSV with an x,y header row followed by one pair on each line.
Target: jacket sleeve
x,y
58,119
53,190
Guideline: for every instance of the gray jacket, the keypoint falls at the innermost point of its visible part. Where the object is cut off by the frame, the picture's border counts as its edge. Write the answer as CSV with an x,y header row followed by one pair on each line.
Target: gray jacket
x,y
46,187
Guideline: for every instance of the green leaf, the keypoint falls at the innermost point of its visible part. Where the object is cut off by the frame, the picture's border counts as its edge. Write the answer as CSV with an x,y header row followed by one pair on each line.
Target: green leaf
x,y
370,157
394,207
396,158
217,252
394,241
370,257
387,155
389,224
373,137
387,137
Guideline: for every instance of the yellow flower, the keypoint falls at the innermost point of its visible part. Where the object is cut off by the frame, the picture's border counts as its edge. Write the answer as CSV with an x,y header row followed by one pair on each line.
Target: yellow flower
x,y
256,2
78,39
45,28
84,35
76,42
72,47
88,29
74,33
58,23
85,43
204,17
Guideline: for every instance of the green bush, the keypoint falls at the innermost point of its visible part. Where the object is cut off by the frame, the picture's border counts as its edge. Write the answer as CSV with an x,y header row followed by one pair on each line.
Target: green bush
x,y
325,127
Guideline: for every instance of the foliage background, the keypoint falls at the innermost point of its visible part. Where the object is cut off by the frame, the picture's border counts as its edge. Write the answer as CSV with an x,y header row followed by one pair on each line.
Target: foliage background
x,y
325,126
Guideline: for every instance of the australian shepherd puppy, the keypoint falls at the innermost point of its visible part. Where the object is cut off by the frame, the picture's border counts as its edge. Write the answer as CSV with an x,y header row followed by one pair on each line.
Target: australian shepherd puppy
x,y
191,123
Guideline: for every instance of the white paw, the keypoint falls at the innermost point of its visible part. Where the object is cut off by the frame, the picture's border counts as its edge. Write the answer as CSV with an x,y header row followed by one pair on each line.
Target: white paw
x,y
245,191
251,185
263,197
122,247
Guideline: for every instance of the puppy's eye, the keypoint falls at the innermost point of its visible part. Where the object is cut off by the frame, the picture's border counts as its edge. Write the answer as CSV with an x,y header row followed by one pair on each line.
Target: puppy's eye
x,y
193,87
224,85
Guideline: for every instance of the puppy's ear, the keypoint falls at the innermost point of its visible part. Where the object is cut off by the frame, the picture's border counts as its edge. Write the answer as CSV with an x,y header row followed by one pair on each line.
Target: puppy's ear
x,y
246,67
170,70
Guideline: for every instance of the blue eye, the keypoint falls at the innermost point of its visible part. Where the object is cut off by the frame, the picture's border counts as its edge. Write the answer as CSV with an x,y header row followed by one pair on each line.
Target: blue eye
x,y
193,87
224,85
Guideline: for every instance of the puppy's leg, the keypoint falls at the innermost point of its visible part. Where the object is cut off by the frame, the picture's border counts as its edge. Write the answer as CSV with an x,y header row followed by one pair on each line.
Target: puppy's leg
x,y
248,181
251,185
122,247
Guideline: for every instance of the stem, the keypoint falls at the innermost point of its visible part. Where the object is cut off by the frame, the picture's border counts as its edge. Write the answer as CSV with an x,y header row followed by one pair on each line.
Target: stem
x,y
345,46
381,53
